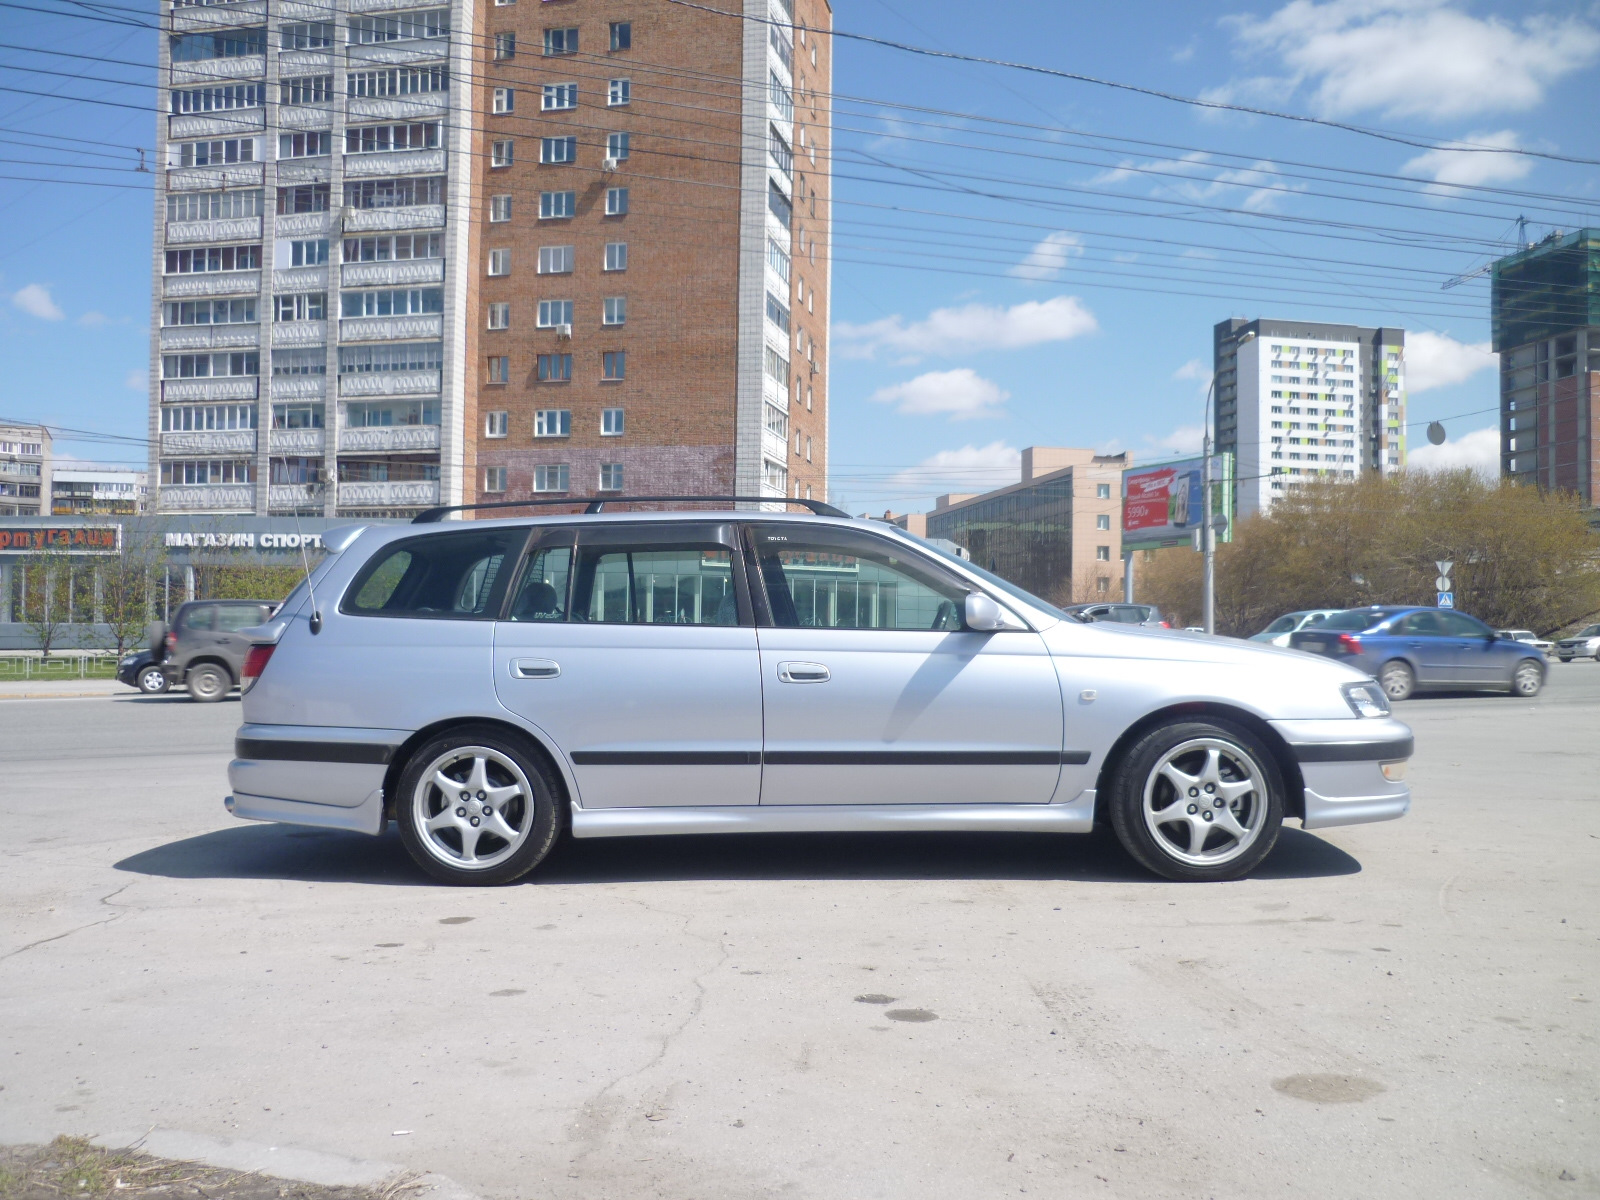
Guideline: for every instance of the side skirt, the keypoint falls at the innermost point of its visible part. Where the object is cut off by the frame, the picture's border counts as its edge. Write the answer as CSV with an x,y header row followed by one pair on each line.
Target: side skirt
x,y
1074,817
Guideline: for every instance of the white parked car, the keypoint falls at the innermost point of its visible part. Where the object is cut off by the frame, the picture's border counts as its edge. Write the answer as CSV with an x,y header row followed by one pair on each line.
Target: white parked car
x,y
1527,637
1279,632
489,684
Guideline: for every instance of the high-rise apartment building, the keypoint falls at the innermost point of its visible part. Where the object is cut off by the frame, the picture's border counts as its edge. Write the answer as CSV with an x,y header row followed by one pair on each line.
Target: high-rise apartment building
x,y
653,223
1546,308
411,253
25,462
1303,400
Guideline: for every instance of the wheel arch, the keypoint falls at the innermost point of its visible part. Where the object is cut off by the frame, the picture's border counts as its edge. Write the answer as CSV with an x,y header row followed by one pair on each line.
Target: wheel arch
x,y
534,738
1294,801
203,660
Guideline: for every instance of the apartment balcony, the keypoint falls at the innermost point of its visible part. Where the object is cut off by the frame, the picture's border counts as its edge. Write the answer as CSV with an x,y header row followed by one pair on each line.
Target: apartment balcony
x,y
774,446
394,162
371,438
300,279
303,224
379,220
303,442
226,497
299,387
234,122
228,175
371,329
176,338
303,62
211,283
398,108
398,53
369,6
375,274
300,333
209,70
287,496
218,16
227,229
305,116
231,442
304,170
234,387
409,494
390,383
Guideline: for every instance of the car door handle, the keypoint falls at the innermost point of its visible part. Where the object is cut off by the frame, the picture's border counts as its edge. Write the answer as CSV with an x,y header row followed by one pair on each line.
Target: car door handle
x,y
1415,645
535,668
803,672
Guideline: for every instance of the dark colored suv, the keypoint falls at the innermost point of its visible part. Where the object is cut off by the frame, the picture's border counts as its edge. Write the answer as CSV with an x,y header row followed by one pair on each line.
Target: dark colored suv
x,y
203,648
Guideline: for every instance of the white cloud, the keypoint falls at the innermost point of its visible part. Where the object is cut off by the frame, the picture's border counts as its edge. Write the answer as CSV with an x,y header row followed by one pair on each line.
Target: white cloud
x,y
970,327
1434,360
1049,257
1478,451
1412,58
1195,368
961,394
36,302
1472,167
969,469
1185,439
137,380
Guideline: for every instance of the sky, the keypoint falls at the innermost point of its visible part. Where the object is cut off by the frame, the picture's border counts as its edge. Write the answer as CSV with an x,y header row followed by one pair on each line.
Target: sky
x,y
1019,259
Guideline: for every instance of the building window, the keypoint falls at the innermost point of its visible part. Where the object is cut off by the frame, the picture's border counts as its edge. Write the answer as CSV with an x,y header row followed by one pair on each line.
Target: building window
x,y
619,92
505,101
306,198
551,477
777,422
307,306
395,247
397,81
501,153
392,302
366,31
500,315
617,146
499,262
616,256
207,366
558,150
222,97
557,96
215,153
205,206
1102,521
1102,553
303,36
610,477
300,360
208,471
494,478
499,209
778,148
209,312
553,422
189,418
394,356
778,204
304,145
614,365
381,139
616,202
611,422
775,476
781,99
556,205
777,367
808,448
560,41
808,399
1102,491
777,313
235,43
505,46
555,368
313,252
778,259
621,35
1102,584
614,310
394,193
557,260
500,370
494,424
554,312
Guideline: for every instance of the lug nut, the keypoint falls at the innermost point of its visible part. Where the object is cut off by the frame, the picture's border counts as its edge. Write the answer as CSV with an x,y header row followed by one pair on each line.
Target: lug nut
x,y
461,812
481,796
1217,803
487,810
466,795
1211,787
1193,809
1208,817
1194,791
475,822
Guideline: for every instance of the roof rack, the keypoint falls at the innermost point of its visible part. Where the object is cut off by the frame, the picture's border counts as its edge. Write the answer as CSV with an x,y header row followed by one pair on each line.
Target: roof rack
x,y
429,516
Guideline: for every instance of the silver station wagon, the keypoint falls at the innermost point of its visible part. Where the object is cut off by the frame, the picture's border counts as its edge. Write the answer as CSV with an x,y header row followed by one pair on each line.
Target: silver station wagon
x,y
487,684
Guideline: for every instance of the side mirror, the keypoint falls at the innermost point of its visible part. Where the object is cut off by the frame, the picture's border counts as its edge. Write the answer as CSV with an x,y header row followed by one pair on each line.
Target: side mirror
x,y
985,616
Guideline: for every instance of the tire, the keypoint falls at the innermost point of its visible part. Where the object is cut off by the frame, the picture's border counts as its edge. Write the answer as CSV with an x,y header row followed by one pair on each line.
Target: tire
x,y
1397,679
208,683
1159,794
1527,678
150,680
505,792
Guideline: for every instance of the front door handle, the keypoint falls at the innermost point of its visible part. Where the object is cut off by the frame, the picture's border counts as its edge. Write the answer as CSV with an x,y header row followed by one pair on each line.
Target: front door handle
x,y
535,668
803,672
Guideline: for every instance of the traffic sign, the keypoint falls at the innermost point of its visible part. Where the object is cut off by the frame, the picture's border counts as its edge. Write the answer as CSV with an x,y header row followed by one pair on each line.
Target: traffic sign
x,y
1442,583
1444,567
1447,599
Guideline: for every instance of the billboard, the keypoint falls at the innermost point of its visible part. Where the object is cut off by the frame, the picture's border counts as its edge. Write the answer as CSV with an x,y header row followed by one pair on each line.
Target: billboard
x,y
1162,504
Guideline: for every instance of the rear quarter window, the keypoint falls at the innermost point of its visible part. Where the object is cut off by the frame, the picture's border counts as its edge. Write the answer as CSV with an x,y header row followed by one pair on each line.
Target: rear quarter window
x,y
1357,620
449,576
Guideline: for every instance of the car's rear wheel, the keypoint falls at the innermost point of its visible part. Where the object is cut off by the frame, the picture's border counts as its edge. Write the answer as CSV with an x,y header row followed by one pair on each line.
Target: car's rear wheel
x,y
208,683
1198,801
1527,679
1397,679
151,681
477,806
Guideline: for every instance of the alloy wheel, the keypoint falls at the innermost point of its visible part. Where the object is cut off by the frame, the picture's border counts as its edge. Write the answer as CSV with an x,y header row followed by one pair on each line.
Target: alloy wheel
x,y
1527,679
151,681
1205,802
1397,680
473,807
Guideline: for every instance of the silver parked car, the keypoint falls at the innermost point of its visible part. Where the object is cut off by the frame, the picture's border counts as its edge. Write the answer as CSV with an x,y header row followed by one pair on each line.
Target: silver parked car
x,y
488,684
1583,644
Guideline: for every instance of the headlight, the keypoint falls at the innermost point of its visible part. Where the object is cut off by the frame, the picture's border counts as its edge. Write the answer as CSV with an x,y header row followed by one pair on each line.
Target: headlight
x,y
1366,699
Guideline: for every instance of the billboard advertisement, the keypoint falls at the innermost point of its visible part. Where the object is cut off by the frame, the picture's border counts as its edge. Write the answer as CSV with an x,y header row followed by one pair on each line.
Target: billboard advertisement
x,y
1162,504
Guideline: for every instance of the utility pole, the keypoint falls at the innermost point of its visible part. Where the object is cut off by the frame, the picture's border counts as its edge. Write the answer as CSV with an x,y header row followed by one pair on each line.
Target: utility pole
x,y
1208,531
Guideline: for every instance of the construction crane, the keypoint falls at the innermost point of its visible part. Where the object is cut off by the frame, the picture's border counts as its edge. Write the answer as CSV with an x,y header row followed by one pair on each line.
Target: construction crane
x,y
1458,280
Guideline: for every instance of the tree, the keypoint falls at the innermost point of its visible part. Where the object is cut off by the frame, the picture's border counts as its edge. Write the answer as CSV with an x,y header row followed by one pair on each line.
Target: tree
x,y
128,584
44,589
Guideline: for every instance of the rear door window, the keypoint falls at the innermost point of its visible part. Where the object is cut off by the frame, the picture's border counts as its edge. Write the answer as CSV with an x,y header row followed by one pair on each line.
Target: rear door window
x,y
447,576
653,584
203,618
233,617
1421,624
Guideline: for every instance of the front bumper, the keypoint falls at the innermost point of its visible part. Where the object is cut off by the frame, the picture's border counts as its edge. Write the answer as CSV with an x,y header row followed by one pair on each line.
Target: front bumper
x,y
1341,763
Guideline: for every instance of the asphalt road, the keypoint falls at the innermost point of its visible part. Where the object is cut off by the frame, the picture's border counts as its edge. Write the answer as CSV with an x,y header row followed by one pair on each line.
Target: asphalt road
x,y
1404,1009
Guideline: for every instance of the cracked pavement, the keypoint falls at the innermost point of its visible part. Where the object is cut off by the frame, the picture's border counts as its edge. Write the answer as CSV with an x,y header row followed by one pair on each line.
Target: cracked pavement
x,y
1407,1007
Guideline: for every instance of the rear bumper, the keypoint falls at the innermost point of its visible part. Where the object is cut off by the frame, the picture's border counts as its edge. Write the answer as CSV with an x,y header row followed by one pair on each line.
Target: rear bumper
x,y
1341,763
366,817
312,775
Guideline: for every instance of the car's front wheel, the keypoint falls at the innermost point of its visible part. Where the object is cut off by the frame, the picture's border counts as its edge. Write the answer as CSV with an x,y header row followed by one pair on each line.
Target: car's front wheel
x,y
1527,679
477,806
1397,679
1198,801
151,681
208,683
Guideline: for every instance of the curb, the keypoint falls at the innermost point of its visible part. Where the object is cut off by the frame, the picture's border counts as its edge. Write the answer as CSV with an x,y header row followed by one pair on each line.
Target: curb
x,y
57,695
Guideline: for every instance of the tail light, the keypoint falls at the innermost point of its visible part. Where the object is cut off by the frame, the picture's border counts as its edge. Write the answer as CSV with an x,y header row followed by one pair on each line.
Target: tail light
x,y
255,661
172,643
1166,625
1349,643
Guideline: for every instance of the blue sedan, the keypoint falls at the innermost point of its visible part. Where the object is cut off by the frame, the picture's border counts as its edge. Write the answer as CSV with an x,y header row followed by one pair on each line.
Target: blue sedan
x,y
1419,649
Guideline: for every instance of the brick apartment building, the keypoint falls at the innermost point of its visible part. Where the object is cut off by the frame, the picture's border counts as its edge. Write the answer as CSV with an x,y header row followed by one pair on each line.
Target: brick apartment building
x,y
652,242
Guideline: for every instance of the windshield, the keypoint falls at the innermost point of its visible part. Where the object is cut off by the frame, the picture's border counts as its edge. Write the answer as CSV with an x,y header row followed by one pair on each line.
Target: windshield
x,y
1004,585
1359,618
1281,625
1592,631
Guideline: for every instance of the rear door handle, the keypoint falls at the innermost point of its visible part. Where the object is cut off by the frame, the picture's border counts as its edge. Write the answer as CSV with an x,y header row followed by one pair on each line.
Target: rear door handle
x,y
803,672
535,668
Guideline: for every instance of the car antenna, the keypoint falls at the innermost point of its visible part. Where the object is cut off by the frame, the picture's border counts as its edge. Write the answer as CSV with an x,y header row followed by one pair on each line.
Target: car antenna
x,y
316,613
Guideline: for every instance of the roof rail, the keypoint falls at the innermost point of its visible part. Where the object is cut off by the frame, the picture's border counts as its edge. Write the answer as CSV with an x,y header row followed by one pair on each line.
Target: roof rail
x,y
429,516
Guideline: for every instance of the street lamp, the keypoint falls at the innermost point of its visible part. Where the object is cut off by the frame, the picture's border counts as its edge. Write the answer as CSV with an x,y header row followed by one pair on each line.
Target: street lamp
x,y
1208,533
